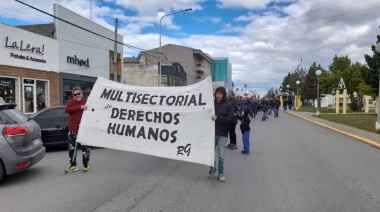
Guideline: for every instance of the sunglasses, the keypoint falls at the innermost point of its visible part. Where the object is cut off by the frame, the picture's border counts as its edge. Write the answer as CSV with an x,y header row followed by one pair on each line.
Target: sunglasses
x,y
76,94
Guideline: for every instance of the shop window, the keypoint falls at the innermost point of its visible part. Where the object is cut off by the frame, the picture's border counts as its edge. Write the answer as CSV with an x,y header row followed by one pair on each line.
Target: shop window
x,y
9,90
36,95
68,85
164,80
172,81
29,99
42,95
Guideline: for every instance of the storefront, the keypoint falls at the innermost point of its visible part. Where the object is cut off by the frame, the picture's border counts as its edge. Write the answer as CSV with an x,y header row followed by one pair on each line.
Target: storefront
x,y
69,81
28,69
37,71
83,55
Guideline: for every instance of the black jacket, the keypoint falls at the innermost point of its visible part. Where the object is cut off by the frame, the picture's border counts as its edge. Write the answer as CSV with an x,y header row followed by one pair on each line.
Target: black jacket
x,y
276,103
245,121
264,105
235,106
225,113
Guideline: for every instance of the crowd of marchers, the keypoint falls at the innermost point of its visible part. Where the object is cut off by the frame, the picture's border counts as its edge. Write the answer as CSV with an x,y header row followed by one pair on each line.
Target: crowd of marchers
x,y
228,110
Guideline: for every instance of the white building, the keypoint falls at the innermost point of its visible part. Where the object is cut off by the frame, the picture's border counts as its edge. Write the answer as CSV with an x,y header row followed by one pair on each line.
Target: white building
x,y
40,64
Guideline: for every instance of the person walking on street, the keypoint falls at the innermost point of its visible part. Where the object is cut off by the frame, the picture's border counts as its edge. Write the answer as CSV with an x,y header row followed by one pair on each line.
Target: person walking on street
x,y
245,130
224,116
270,107
232,128
75,108
264,108
254,107
276,106
290,103
285,104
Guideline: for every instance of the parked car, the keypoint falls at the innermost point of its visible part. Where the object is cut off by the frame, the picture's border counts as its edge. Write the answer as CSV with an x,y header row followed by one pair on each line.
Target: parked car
x,y
20,141
54,124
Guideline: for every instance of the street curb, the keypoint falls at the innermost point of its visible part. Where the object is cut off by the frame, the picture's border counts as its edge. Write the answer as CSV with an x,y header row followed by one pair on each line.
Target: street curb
x,y
364,140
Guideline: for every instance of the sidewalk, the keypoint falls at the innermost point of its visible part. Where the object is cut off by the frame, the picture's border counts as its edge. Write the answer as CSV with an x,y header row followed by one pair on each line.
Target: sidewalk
x,y
370,138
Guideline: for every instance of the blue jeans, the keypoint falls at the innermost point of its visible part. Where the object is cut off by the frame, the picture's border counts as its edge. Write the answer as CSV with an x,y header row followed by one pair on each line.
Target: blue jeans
x,y
275,110
269,111
265,115
246,135
220,143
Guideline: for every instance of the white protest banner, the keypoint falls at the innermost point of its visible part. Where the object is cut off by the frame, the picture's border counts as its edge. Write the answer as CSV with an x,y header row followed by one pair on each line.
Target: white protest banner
x,y
168,122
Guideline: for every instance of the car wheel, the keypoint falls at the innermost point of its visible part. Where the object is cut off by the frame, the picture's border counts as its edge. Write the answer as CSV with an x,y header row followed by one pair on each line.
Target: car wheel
x,y
2,171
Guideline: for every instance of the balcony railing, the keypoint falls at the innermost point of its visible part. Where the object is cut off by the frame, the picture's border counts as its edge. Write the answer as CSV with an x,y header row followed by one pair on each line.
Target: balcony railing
x,y
200,67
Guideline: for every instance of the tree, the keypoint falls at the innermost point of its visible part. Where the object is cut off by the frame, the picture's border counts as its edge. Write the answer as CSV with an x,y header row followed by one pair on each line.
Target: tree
x,y
309,87
371,75
337,70
271,93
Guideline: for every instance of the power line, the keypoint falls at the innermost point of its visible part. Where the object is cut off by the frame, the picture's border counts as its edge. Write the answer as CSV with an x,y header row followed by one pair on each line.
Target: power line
x,y
126,45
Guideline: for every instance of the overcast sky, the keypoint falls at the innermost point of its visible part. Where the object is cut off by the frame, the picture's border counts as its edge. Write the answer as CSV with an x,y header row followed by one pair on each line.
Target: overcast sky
x,y
264,40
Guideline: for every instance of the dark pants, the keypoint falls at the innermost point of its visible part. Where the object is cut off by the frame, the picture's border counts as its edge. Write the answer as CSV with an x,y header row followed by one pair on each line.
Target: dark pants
x,y
255,112
232,133
265,115
275,110
73,146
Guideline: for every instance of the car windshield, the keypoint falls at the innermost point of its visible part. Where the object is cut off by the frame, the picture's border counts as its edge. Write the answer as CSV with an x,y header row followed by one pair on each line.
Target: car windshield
x,y
12,116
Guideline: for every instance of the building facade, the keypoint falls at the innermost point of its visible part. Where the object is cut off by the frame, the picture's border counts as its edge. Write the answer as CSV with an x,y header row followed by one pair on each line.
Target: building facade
x,y
147,75
221,70
40,64
84,55
29,69
195,64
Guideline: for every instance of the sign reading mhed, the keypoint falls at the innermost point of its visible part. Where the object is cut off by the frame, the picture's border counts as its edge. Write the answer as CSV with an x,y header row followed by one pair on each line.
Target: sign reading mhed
x,y
168,122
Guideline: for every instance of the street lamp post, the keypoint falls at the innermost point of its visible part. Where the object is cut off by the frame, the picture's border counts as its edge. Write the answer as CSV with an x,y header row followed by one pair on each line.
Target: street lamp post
x,y
287,96
287,92
318,73
281,100
288,86
297,99
377,126
159,56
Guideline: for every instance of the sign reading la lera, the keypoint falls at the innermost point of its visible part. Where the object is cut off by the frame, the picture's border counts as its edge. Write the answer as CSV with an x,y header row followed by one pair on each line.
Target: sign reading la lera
x,y
24,47
168,122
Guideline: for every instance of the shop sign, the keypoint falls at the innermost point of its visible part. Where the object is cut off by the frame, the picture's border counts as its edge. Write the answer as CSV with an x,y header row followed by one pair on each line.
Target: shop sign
x,y
77,61
4,82
25,48
28,81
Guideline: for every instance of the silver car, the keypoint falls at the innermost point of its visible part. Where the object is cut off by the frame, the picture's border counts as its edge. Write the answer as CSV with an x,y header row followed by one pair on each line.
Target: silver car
x,y
20,141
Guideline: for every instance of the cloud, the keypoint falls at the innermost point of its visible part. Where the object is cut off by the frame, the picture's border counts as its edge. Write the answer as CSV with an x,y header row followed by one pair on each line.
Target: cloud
x,y
252,4
264,39
213,20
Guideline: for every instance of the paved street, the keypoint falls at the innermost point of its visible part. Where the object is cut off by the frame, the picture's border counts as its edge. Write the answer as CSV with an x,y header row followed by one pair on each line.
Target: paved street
x,y
294,165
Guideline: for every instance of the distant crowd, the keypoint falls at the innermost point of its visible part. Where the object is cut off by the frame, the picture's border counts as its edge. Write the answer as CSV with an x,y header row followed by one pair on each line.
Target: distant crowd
x,y
228,110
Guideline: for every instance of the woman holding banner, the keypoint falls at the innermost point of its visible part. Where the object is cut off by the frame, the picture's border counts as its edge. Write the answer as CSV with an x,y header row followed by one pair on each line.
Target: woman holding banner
x,y
224,116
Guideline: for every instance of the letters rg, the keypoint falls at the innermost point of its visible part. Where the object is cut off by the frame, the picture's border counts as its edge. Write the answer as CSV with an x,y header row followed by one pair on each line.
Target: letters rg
x,y
184,149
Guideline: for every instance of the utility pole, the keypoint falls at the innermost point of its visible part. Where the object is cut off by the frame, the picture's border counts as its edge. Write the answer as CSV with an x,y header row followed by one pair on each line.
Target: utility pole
x,y
114,64
90,10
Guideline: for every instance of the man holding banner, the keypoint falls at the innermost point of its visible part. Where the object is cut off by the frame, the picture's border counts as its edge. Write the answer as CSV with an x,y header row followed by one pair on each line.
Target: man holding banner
x,y
224,116
75,108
